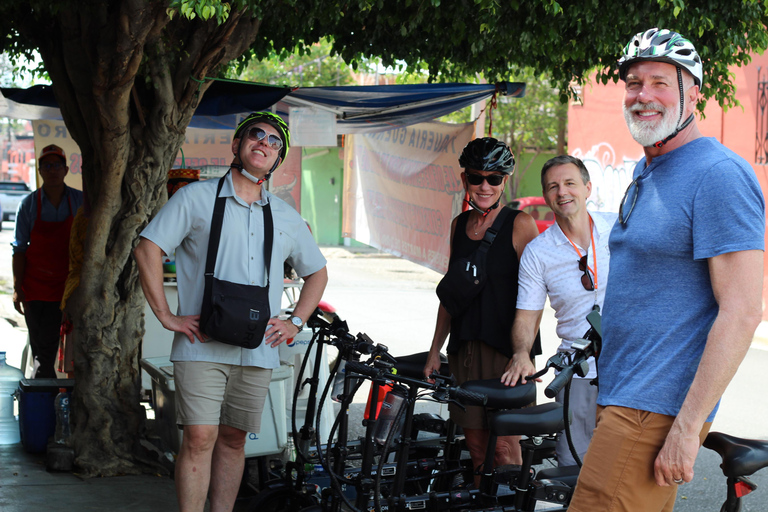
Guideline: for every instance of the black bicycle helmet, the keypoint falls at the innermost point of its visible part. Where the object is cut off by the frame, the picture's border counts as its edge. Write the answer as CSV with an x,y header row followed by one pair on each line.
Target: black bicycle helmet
x,y
487,154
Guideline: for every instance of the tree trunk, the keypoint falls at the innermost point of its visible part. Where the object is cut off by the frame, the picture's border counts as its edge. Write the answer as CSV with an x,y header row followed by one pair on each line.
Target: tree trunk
x,y
124,77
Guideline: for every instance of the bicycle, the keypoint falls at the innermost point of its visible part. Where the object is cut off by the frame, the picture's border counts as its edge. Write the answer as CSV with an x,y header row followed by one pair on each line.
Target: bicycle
x,y
539,423
298,483
741,458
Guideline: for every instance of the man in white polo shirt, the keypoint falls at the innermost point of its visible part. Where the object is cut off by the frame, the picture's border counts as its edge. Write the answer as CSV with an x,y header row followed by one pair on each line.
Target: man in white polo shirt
x,y
569,262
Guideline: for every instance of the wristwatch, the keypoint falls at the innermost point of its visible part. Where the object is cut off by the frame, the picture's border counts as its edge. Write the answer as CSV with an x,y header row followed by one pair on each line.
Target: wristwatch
x,y
298,322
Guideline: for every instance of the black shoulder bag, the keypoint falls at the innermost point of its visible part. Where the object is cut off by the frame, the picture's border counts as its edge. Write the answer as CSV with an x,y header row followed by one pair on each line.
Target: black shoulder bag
x,y
236,314
467,276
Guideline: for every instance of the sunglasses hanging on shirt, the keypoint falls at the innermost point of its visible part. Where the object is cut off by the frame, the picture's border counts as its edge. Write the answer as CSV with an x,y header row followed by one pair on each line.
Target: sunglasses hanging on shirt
x,y
586,278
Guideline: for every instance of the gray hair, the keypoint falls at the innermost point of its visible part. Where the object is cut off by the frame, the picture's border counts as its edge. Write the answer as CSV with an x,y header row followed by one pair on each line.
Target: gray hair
x,y
564,160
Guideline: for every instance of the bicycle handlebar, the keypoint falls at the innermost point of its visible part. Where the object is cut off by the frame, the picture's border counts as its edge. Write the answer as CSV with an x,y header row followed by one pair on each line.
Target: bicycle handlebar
x,y
463,396
559,382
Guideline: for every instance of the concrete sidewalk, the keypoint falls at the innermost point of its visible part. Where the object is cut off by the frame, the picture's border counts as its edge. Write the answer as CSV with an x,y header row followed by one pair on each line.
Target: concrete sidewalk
x,y
26,486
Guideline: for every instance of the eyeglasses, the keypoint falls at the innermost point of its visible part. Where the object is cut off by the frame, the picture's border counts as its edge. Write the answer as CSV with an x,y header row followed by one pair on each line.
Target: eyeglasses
x,y
630,198
493,180
51,166
273,141
586,278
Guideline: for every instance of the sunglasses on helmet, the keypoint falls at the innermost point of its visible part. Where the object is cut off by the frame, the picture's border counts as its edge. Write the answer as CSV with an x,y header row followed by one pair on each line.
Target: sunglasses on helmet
x,y
256,133
493,180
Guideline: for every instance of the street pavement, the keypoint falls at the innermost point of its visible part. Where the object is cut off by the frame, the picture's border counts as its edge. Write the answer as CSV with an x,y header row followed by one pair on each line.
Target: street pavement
x,y
393,301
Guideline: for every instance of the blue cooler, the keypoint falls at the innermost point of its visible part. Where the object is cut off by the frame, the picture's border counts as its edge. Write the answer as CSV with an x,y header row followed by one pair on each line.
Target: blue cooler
x,y
37,416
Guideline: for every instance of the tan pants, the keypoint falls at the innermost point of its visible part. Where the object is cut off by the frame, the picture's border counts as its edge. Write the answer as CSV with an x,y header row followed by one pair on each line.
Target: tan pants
x,y
475,360
220,394
618,469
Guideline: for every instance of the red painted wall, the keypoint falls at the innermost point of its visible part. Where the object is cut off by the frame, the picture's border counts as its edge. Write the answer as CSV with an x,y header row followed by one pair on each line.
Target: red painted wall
x,y
598,134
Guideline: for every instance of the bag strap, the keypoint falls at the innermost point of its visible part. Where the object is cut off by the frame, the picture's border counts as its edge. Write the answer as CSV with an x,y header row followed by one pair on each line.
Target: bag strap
x,y
491,232
217,221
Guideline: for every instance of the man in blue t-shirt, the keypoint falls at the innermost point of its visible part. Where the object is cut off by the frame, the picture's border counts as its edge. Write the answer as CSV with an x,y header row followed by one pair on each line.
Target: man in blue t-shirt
x,y
686,287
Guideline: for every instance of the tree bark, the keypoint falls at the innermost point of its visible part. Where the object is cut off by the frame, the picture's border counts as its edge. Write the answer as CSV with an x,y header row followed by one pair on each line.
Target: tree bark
x,y
127,80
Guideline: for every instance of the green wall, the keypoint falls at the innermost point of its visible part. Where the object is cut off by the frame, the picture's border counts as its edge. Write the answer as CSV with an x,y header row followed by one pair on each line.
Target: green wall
x,y
321,193
531,182
322,176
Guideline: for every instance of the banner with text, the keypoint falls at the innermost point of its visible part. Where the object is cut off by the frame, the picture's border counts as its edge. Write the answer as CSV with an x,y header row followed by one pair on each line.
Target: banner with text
x,y
207,150
402,188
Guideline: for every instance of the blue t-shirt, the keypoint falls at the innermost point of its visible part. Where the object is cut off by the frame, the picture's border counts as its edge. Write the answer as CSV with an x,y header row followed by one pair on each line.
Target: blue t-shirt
x,y
698,201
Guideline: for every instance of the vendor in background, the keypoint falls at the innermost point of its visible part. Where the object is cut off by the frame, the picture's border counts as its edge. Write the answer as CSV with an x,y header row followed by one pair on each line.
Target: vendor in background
x,y
480,346
41,256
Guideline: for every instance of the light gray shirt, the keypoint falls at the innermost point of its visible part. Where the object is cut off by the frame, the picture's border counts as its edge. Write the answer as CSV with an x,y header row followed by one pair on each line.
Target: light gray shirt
x,y
183,225
550,266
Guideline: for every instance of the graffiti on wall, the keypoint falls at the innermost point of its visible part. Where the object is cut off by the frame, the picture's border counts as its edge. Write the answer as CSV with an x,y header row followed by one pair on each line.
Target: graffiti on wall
x,y
610,177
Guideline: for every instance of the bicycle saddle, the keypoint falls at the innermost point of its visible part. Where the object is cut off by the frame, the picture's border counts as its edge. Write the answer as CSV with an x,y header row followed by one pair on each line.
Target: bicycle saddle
x,y
413,365
501,396
532,421
741,457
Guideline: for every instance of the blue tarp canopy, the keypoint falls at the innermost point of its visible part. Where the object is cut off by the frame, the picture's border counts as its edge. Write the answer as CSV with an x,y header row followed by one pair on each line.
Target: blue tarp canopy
x,y
358,109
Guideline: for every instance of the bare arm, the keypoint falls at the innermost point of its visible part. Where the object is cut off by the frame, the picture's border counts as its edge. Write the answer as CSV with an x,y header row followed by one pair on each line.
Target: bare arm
x,y
523,232
737,283
311,293
523,335
19,264
442,326
442,329
149,258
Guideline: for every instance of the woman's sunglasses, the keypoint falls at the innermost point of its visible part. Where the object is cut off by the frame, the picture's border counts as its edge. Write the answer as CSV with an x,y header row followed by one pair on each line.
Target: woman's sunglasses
x,y
493,180
256,133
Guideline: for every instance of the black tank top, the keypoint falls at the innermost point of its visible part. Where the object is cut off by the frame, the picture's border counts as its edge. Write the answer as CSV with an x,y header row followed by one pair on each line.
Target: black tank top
x,y
490,316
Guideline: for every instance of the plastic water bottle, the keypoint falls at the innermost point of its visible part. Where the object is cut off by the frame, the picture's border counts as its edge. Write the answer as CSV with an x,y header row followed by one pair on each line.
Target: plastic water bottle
x,y
9,384
385,422
61,404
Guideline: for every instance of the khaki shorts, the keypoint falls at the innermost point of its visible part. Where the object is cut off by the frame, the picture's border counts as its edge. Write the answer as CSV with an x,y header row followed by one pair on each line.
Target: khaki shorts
x,y
220,394
475,360
618,469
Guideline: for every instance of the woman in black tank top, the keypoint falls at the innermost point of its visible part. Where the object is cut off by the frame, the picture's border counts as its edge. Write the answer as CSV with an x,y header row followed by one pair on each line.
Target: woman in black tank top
x,y
480,343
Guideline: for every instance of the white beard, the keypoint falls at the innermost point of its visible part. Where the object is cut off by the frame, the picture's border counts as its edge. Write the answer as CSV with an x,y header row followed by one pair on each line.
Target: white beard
x,y
648,133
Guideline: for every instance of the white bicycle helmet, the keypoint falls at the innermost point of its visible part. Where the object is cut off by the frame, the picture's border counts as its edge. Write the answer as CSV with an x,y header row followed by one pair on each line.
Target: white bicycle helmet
x,y
662,45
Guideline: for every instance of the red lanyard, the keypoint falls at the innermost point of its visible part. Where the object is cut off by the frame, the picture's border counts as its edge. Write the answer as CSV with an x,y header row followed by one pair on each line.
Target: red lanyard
x,y
594,253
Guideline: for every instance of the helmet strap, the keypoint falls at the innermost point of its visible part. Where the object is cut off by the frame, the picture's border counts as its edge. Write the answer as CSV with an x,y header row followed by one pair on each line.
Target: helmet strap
x,y
252,178
482,212
688,121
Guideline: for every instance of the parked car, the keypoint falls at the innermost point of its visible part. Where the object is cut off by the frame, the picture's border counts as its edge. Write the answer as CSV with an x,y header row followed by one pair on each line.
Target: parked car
x,y
11,194
537,208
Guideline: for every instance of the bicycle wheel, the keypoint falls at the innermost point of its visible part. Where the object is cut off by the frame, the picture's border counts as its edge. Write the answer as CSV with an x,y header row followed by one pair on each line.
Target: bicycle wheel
x,y
280,500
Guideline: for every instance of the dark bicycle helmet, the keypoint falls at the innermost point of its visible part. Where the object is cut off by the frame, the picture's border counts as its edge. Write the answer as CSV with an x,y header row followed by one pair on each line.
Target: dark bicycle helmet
x,y
487,154
271,119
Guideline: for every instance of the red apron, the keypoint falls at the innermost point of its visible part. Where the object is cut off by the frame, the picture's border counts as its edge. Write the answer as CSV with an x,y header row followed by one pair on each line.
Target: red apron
x,y
47,256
